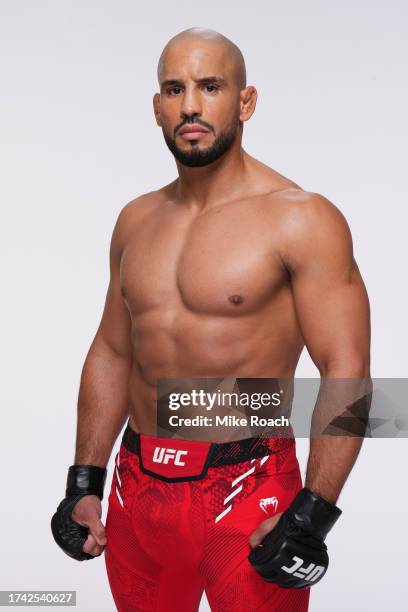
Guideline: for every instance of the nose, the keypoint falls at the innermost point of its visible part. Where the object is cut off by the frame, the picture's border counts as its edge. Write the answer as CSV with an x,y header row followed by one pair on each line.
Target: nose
x,y
191,102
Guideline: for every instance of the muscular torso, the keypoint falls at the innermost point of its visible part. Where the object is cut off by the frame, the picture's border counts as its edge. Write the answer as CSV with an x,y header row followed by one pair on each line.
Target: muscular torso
x,y
207,292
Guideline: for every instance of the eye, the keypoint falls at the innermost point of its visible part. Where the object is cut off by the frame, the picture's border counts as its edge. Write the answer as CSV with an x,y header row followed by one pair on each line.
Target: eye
x,y
174,90
211,87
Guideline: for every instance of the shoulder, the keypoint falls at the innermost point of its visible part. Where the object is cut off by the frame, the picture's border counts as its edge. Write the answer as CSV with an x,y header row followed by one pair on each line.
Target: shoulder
x,y
136,209
303,211
131,215
143,205
311,226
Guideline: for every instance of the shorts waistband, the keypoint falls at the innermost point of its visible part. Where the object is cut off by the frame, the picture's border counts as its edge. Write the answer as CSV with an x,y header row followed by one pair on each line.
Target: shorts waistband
x,y
176,459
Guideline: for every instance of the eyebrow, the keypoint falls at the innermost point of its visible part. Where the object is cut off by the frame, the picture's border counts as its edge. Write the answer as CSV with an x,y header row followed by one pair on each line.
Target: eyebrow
x,y
210,79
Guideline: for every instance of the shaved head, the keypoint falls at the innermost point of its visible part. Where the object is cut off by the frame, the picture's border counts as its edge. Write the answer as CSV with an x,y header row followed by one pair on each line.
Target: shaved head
x,y
204,99
210,36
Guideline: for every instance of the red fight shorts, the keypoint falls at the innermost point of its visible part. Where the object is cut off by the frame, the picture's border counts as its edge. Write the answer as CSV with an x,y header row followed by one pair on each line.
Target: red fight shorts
x,y
179,518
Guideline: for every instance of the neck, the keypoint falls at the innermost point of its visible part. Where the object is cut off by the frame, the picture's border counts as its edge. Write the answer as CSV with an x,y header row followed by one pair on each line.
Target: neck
x,y
207,186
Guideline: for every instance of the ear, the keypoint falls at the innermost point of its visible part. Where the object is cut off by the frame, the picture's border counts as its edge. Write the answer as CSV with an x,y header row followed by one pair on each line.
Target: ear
x,y
156,108
247,101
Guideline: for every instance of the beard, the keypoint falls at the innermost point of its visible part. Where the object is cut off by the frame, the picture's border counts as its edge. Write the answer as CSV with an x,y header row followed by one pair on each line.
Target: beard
x,y
195,157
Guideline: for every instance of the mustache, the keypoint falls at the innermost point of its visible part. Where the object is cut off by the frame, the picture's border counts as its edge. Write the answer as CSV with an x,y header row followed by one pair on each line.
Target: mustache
x,y
192,120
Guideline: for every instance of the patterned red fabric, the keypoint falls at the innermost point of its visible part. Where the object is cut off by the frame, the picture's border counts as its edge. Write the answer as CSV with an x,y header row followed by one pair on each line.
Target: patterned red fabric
x,y
167,541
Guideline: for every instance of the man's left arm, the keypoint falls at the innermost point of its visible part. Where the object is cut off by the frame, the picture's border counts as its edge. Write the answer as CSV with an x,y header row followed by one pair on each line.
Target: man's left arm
x,y
333,312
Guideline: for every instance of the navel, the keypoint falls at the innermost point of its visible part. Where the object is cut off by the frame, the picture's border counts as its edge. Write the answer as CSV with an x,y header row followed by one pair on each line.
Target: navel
x,y
236,299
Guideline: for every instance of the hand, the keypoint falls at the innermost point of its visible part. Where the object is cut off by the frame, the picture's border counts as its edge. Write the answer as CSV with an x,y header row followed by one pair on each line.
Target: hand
x,y
265,527
289,548
87,512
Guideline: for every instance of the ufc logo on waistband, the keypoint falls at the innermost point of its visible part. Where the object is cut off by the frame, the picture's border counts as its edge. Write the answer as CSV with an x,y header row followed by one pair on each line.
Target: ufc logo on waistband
x,y
164,455
311,572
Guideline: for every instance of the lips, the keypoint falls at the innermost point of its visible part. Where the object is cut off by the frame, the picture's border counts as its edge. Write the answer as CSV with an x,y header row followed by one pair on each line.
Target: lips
x,y
192,132
192,129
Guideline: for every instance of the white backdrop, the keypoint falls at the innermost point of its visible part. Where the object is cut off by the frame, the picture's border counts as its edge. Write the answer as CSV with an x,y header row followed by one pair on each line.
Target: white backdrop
x,y
78,140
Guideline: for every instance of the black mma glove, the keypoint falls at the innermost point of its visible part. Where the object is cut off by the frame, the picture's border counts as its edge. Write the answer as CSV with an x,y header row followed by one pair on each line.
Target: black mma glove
x,y
293,554
71,536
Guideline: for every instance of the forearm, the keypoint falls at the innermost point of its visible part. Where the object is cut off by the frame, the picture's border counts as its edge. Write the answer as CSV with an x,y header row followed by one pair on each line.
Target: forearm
x,y
341,410
330,461
103,403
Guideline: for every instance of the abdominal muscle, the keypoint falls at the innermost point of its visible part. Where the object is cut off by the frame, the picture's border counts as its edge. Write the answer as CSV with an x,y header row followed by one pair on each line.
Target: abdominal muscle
x,y
185,346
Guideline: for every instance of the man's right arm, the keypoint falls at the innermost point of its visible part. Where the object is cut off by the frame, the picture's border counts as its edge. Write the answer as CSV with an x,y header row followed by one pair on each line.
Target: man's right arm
x,y
103,402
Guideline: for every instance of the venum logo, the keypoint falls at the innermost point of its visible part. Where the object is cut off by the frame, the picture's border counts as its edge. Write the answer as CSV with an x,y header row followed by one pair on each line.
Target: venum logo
x,y
265,503
166,455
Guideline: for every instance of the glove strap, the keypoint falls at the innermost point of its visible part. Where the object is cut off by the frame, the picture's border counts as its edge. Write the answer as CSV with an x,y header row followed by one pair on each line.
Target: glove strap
x,y
313,513
86,480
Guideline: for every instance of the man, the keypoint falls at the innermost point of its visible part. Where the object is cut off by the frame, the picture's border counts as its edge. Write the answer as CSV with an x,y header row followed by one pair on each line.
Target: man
x,y
228,271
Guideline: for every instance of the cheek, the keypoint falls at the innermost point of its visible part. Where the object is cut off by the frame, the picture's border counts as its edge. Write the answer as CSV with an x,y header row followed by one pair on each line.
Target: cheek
x,y
166,118
170,114
225,116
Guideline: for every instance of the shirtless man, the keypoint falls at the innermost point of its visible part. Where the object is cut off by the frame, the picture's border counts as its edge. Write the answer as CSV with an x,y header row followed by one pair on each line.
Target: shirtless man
x,y
228,271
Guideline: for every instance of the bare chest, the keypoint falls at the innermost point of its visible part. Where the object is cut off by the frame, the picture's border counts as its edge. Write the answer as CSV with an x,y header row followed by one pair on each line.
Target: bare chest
x,y
221,263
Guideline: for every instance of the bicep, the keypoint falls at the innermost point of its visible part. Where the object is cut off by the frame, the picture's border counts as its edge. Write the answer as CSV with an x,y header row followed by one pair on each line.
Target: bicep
x,y
115,325
330,298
